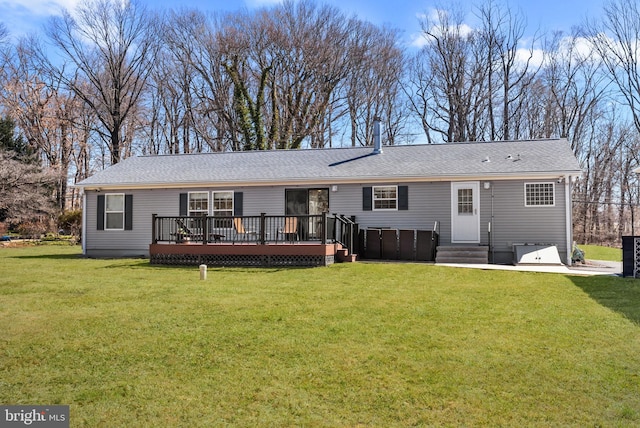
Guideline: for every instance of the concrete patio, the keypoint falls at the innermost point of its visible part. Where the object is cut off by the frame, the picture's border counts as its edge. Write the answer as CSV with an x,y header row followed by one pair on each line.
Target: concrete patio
x,y
590,268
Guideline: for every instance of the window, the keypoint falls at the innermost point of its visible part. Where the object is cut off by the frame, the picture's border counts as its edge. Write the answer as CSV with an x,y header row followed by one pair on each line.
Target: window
x,y
539,195
222,207
198,204
385,198
465,201
114,211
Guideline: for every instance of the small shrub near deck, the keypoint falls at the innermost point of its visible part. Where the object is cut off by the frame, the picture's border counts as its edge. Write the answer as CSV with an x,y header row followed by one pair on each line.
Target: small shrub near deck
x,y
127,344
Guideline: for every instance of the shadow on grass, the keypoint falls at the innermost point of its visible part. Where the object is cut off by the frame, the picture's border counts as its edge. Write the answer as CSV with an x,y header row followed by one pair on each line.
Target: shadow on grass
x,y
51,257
621,295
144,264
127,264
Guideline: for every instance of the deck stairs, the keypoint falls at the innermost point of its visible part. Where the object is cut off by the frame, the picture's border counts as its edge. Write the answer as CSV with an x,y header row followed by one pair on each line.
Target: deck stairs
x,y
343,256
472,254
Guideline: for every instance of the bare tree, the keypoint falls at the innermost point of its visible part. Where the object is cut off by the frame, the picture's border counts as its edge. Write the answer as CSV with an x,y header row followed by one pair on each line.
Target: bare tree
x,y
110,44
372,88
575,83
417,88
276,77
609,149
25,190
193,42
509,75
169,114
309,59
449,75
615,37
44,112
248,63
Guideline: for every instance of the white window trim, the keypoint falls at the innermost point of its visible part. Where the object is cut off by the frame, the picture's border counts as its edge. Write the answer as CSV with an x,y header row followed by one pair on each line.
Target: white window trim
x,y
124,208
212,210
553,187
373,199
208,201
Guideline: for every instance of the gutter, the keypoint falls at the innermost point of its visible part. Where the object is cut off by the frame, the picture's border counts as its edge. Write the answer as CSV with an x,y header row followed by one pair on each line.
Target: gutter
x,y
549,175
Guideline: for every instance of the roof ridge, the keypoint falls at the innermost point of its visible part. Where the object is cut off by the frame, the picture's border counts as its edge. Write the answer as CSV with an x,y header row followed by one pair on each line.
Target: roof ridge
x,y
308,149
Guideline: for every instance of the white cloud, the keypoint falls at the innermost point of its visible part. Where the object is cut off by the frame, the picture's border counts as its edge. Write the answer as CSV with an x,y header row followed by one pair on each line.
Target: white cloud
x,y
418,40
39,7
580,47
535,57
262,3
23,17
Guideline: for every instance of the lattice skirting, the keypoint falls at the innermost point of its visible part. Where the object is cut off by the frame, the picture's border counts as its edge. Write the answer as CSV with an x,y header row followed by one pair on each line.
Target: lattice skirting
x,y
240,260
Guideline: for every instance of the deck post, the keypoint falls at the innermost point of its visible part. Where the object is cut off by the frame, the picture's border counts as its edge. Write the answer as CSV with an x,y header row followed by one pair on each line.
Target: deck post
x,y
324,227
263,224
205,229
355,230
336,226
154,235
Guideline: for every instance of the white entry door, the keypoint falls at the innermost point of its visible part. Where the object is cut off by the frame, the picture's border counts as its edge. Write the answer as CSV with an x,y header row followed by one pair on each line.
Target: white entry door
x,y
465,212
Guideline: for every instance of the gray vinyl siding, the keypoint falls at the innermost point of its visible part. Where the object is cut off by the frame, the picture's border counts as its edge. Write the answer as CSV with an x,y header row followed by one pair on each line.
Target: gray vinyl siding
x,y
115,243
513,222
163,202
429,202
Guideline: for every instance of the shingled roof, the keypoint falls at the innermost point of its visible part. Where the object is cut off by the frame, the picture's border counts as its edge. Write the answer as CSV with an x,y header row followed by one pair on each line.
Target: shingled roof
x,y
454,161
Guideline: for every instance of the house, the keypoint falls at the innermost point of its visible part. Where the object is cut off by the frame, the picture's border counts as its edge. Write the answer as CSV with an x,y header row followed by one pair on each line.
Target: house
x,y
497,195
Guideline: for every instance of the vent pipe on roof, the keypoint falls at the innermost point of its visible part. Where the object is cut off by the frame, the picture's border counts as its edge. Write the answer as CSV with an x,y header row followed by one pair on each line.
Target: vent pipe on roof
x,y
377,139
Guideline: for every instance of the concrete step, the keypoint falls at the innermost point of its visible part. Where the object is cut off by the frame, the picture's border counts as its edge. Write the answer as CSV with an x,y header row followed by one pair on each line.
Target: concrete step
x,y
477,254
463,260
478,248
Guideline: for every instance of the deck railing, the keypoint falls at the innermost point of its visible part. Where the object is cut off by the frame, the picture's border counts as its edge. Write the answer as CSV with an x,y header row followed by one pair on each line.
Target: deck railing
x,y
260,229
345,232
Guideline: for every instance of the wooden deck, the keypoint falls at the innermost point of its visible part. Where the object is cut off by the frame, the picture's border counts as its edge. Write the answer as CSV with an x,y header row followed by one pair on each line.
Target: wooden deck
x,y
304,240
245,254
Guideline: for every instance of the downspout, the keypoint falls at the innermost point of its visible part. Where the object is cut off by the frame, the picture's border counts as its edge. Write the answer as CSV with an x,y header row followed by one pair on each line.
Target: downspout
x,y
491,227
568,217
84,223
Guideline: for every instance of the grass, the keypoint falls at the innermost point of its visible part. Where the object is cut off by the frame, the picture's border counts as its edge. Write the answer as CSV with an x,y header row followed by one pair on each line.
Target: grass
x,y
597,252
127,344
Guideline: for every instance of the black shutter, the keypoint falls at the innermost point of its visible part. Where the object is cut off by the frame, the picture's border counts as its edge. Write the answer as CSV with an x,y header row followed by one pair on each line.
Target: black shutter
x,y
128,212
403,198
184,201
237,204
367,198
100,218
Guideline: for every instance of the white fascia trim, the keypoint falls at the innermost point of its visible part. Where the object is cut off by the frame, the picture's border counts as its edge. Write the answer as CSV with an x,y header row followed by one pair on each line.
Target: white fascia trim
x,y
328,181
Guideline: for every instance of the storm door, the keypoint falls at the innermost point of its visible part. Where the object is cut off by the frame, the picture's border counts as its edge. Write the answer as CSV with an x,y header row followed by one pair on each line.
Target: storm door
x,y
465,212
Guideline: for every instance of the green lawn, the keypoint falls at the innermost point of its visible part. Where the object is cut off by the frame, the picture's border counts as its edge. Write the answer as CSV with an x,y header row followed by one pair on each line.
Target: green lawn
x,y
127,344
597,252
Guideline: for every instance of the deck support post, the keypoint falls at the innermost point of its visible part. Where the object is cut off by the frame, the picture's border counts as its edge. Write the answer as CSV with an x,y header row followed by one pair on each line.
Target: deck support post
x,y
154,234
263,227
205,229
324,227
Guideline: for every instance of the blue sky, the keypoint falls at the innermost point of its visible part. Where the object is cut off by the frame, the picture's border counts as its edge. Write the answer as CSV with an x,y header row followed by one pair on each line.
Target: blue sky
x,y
22,16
